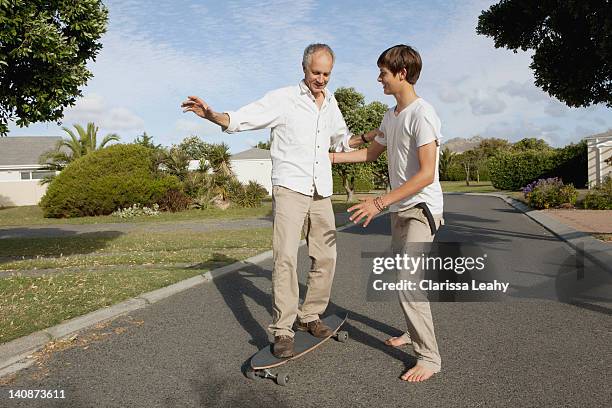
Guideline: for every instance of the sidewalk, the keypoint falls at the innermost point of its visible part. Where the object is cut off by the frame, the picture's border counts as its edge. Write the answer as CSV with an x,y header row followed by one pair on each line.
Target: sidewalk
x,y
591,221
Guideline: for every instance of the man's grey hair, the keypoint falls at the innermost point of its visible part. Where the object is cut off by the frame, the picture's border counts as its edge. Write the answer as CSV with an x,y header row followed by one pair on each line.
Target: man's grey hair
x,y
312,48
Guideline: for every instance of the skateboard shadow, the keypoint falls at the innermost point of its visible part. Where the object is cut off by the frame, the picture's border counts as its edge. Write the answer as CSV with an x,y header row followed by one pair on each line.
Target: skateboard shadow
x,y
236,287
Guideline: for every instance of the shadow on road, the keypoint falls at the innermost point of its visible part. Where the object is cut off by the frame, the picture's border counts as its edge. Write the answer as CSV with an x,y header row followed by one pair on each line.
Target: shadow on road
x,y
237,287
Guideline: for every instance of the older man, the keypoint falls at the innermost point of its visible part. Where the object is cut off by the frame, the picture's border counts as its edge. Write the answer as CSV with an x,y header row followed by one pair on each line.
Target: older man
x,y
305,123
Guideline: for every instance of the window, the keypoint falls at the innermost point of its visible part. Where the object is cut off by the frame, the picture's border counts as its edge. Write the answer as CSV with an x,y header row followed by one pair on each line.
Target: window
x,y
25,175
37,175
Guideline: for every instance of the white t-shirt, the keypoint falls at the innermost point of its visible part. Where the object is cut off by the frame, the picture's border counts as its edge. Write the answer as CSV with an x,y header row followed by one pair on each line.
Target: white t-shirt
x,y
416,125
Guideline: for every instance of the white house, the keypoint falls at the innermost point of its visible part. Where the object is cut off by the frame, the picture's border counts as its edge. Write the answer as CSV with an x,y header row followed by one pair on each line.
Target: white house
x,y
20,172
600,157
253,164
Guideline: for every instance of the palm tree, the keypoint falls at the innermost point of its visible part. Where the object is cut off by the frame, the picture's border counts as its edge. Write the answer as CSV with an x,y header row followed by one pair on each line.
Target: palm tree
x,y
446,160
219,158
72,148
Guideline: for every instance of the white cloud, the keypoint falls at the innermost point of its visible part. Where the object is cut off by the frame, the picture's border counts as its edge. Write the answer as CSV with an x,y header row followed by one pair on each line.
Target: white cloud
x,y
487,105
450,95
93,108
197,126
556,108
526,90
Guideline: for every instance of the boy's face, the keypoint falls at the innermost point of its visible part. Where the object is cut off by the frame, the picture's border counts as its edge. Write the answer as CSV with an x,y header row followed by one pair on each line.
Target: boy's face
x,y
391,83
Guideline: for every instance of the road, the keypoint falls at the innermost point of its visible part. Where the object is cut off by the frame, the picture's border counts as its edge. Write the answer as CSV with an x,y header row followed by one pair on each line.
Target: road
x,y
545,343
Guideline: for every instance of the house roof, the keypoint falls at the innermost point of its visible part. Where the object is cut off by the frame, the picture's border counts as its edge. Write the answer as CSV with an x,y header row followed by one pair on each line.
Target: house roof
x,y
24,150
252,154
604,135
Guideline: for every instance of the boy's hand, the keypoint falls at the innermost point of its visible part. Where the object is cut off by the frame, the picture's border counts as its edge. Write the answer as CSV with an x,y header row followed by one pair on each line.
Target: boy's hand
x,y
366,209
371,135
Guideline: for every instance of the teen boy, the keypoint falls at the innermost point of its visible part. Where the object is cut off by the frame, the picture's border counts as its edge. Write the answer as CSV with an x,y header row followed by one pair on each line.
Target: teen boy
x,y
411,134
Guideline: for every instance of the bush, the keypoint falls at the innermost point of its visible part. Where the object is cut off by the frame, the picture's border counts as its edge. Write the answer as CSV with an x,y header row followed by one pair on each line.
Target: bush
x,y
103,181
174,201
362,185
551,192
600,198
249,195
137,211
512,170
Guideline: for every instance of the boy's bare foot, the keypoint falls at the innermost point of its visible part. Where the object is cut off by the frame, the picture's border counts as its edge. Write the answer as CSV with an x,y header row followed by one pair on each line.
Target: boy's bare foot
x,y
417,374
399,341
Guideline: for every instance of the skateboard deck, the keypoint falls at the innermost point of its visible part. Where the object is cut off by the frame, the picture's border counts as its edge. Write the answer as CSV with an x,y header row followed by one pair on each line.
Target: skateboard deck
x,y
264,360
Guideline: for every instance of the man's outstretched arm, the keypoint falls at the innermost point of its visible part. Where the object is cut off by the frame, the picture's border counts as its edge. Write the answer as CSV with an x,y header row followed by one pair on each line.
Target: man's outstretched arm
x,y
203,110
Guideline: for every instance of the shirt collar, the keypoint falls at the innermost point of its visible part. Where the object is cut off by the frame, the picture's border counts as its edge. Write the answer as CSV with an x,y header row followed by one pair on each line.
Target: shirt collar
x,y
305,90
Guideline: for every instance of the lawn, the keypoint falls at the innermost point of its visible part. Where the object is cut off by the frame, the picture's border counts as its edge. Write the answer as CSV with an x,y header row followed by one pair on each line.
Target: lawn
x,y
83,274
33,215
474,187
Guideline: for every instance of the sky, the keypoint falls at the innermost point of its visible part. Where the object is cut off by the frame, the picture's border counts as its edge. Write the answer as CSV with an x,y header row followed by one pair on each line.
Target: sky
x,y
232,52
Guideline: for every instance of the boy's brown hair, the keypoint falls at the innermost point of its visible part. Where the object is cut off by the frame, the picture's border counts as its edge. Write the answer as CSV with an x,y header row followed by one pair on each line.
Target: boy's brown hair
x,y
402,56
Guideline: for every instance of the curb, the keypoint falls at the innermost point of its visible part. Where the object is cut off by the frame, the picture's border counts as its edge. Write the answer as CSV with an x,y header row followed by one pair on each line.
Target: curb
x,y
16,354
583,243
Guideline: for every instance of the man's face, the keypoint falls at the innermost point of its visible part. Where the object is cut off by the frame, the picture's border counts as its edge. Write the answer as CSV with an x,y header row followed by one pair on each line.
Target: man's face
x,y
317,73
391,83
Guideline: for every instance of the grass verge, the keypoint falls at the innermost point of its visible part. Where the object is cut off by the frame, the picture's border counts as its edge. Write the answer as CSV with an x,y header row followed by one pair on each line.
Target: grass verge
x,y
108,270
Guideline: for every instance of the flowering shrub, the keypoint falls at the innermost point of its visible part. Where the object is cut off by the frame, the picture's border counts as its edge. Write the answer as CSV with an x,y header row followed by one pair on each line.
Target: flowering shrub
x,y
600,198
137,211
550,192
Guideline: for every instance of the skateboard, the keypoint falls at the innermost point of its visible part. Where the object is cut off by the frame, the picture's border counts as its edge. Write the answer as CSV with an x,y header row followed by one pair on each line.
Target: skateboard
x,y
263,361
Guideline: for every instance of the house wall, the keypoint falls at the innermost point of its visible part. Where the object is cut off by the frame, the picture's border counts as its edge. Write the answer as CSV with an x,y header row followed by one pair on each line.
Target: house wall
x,y
22,192
256,170
604,149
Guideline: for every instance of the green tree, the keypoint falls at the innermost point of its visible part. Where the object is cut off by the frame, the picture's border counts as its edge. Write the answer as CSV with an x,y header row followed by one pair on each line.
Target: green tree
x,y
219,158
73,147
572,58
446,161
44,50
360,118
146,141
531,143
263,145
194,147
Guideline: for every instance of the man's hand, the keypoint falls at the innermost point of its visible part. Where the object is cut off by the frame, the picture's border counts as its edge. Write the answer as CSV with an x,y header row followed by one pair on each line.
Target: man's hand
x,y
371,135
201,108
197,106
366,209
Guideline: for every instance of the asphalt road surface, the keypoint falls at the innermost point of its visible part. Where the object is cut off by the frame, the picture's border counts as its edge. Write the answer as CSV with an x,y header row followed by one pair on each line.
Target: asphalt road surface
x,y
547,342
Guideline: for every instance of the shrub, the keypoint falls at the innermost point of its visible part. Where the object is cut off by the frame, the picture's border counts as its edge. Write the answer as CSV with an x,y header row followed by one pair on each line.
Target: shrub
x,y
249,195
600,198
363,184
512,170
137,211
551,192
103,181
174,201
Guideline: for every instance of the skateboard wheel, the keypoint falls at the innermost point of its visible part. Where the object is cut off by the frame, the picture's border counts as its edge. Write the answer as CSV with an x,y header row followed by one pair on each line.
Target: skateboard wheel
x,y
251,374
282,378
342,336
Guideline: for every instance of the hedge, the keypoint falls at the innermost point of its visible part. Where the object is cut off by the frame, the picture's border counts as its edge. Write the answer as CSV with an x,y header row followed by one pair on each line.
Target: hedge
x,y
514,170
105,180
362,185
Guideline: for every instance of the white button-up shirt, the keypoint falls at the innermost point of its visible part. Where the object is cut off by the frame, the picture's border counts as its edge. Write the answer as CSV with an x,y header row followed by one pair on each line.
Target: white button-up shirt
x,y
301,135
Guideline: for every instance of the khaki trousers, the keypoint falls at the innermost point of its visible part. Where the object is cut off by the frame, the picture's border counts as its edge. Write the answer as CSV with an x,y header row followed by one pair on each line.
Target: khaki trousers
x,y
295,213
408,228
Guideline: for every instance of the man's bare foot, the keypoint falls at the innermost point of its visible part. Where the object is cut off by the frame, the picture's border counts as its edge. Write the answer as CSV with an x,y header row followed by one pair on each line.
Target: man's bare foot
x,y
398,341
417,374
